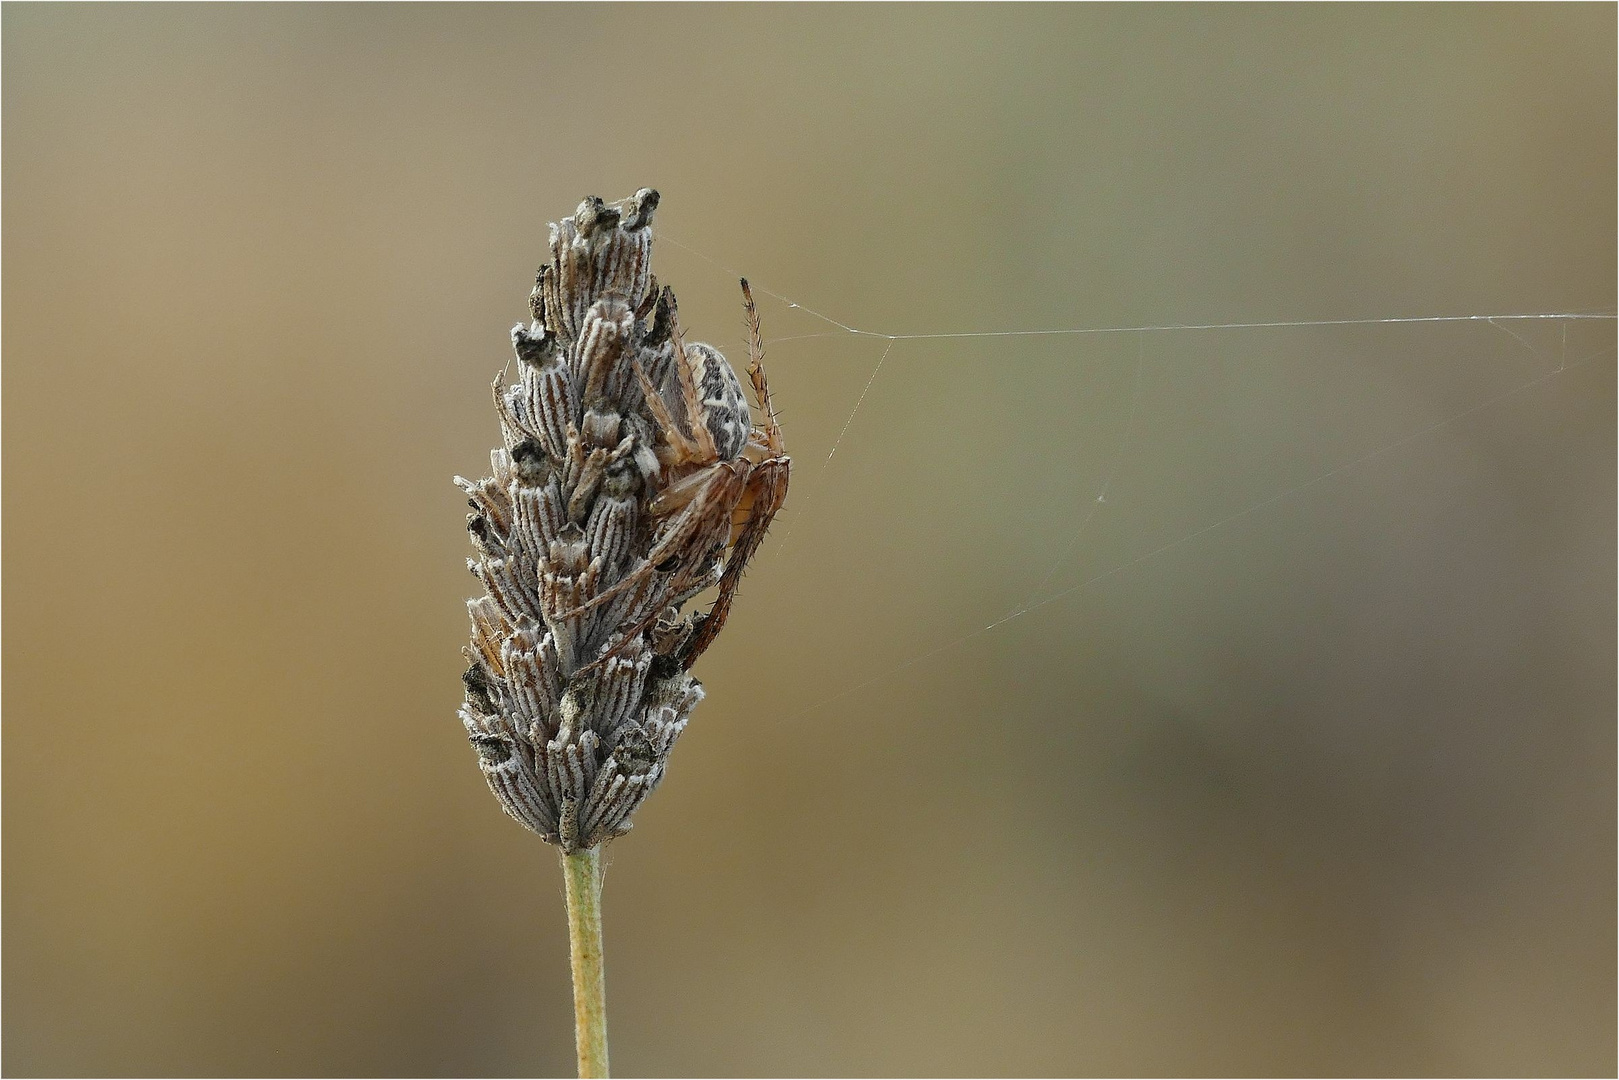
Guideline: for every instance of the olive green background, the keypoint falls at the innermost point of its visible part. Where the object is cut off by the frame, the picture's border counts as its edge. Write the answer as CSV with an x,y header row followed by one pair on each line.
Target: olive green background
x,y
1327,787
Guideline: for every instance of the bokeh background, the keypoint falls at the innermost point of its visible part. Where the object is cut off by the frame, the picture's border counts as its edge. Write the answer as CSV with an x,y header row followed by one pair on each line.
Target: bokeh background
x,y
1327,788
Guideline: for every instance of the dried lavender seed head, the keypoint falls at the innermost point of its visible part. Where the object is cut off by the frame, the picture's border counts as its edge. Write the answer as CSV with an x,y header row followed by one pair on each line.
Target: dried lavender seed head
x,y
627,462
483,538
478,688
623,481
663,314
532,464
600,429
634,751
492,749
536,298
640,208
595,216
533,346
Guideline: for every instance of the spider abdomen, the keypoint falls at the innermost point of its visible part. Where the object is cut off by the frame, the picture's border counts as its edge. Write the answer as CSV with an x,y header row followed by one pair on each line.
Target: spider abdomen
x,y
725,409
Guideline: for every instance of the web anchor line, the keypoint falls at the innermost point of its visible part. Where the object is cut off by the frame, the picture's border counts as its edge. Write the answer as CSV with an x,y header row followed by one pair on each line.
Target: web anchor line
x,y
1280,324
1204,530
821,472
1564,318
1107,485
844,329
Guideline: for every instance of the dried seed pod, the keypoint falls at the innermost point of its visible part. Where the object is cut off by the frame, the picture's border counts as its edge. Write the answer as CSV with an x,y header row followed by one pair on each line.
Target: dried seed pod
x,y
626,458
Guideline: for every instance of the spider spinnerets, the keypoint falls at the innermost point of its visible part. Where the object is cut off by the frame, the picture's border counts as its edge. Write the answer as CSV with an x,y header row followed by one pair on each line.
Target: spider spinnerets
x,y
631,478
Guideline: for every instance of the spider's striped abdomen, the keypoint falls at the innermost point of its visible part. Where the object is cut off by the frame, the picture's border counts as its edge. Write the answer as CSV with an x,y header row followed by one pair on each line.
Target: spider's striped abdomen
x,y
725,408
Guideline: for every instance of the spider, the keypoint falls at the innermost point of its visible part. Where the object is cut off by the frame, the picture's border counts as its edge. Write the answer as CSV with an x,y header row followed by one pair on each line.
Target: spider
x,y
724,467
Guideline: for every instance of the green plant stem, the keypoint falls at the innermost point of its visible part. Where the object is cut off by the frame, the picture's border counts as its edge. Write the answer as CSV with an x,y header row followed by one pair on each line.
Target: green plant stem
x,y
583,872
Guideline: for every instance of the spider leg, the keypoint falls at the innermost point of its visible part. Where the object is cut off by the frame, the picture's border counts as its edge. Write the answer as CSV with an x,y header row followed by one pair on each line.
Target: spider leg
x,y
503,408
689,395
768,483
682,492
632,634
676,536
756,371
688,579
672,434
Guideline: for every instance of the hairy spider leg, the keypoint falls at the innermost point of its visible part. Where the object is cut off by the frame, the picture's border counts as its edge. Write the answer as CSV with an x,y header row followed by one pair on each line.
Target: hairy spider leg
x,y
694,514
722,484
756,372
689,395
766,483
679,532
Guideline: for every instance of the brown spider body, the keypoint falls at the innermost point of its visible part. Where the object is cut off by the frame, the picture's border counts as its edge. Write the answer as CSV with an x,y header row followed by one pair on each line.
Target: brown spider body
x,y
715,468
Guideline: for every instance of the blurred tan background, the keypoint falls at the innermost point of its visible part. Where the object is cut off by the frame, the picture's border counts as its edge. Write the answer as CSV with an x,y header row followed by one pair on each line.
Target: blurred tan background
x,y
1326,789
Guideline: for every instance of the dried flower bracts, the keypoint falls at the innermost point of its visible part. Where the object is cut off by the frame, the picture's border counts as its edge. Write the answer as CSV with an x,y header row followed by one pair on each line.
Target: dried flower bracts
x,y
631,479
